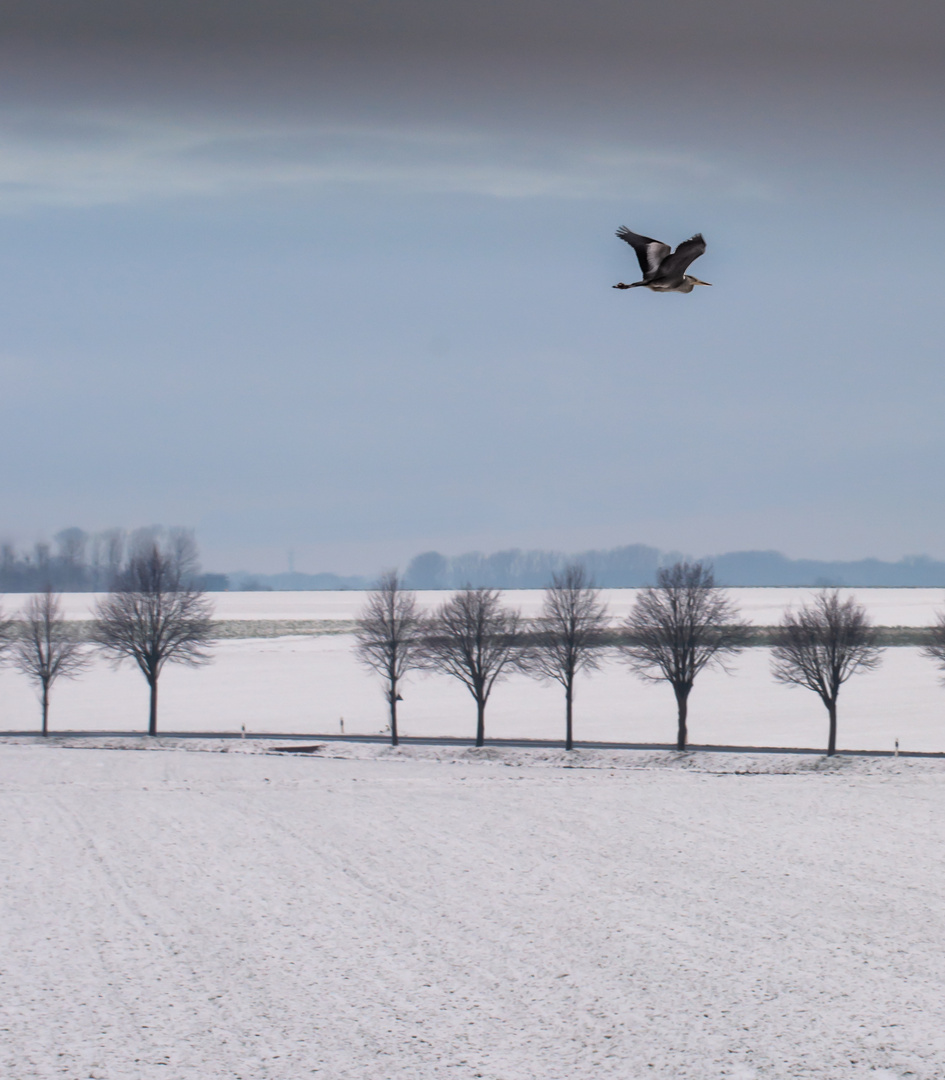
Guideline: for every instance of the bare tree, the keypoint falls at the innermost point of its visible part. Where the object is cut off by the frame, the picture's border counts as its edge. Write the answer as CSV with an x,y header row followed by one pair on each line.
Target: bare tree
x,y
46,646
474,639
181,546
71,569
935,649
568,635
155,615
389,634
678,627
114,541
7,634
821,645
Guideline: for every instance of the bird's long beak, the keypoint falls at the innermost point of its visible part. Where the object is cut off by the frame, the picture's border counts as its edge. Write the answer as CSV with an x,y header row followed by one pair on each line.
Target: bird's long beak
x,y
698,282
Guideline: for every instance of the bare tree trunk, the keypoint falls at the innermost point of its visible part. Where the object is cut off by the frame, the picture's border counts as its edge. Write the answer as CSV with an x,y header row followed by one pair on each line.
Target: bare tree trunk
x,y
569,706
45,708
832,740
394,741
152,719
480,722
682,705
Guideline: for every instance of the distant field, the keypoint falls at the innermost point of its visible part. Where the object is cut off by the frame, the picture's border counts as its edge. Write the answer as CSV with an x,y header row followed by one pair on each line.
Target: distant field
x,y
902,613
887,607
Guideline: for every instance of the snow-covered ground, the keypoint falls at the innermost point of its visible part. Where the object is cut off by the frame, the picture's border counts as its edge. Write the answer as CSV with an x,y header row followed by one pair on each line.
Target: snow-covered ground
x,y
214,916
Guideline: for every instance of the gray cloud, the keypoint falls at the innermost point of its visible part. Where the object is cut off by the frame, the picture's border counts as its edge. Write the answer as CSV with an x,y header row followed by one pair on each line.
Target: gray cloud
x,y
115,101
80,159
839,29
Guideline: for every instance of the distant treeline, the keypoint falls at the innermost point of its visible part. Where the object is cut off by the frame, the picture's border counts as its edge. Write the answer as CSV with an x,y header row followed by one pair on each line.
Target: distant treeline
x,y
515,569
636,565
77,561
295,581
625,567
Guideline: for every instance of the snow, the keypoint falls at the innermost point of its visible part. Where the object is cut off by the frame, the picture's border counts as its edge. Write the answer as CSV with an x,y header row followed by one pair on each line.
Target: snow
x,y
887,607
208,916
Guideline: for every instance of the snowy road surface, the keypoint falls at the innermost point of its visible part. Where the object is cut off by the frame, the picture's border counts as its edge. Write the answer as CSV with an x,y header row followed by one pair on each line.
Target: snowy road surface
x,y
197,916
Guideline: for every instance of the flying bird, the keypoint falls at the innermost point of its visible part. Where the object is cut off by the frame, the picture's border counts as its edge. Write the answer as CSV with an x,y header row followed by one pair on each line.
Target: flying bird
x,y
664,270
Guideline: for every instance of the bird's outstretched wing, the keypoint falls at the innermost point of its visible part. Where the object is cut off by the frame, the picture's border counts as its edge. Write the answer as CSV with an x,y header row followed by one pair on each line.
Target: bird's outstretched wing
x,y
650,253
687,252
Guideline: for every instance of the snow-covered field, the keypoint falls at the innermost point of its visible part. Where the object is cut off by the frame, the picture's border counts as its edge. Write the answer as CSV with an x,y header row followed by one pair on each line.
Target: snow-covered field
x,y
307,684
887,607
208,916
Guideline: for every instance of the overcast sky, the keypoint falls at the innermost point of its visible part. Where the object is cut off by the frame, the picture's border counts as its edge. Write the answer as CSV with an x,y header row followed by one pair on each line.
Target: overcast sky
x,y
336,278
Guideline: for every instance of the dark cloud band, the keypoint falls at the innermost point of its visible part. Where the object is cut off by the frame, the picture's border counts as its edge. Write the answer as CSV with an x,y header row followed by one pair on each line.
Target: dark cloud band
x,y
907,29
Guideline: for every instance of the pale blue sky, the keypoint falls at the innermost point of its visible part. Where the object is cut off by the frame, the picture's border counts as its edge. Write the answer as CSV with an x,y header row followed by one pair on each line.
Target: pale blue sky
x,y
345,288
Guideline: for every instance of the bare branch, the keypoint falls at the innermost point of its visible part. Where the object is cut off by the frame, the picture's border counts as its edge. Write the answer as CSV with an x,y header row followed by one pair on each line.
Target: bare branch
x,y
155,615
567,635
475,640
821,645
8,634
678,628
389,633
935,649
47,647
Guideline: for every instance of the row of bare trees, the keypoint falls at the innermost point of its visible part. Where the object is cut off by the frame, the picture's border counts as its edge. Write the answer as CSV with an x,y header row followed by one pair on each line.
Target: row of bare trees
x,y
155,614
676,629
